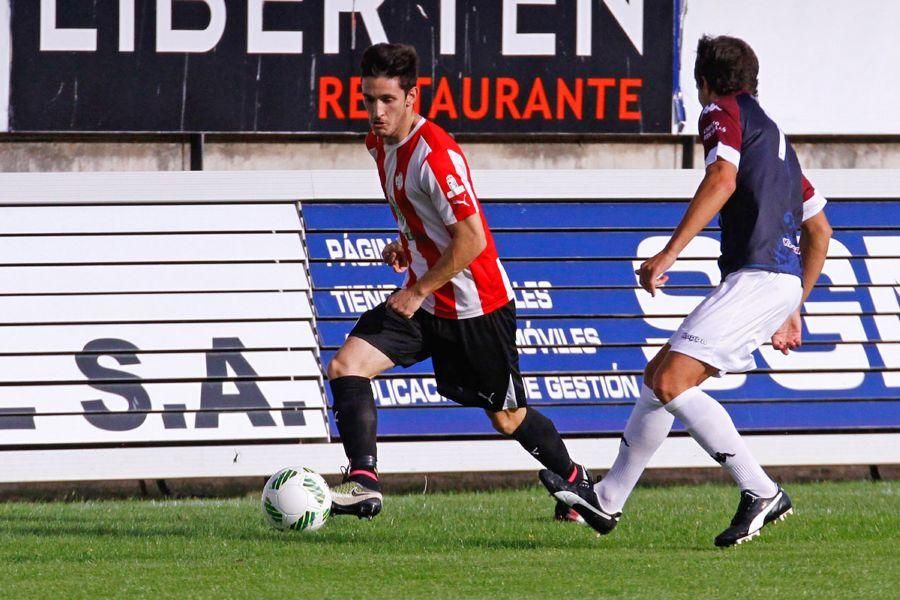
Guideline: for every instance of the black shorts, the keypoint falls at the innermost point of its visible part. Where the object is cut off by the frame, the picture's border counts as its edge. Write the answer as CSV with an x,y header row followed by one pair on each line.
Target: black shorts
x,y
475,360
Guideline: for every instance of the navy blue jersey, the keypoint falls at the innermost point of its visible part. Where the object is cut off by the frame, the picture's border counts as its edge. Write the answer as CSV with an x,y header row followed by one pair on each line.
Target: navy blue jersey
x,y
761,220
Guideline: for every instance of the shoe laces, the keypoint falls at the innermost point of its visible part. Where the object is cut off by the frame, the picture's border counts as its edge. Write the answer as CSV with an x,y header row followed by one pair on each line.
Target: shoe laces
x,y
584,478
744,505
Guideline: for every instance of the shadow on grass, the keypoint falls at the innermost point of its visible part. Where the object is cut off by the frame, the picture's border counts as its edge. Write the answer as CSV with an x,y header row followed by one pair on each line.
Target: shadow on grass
x,y
350,538
82,530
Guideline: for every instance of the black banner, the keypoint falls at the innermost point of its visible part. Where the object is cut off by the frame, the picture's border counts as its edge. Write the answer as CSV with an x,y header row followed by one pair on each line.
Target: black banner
x,y
487,66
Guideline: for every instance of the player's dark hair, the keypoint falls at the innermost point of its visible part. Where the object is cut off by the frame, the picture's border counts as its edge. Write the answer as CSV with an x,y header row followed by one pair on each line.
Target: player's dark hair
x,y
391,60
728,64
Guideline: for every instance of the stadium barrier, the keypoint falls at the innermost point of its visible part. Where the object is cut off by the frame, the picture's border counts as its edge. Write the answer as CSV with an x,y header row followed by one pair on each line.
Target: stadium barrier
x,y
174,324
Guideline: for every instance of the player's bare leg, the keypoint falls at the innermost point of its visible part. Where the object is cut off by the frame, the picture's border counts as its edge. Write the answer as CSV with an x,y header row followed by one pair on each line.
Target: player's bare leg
x,y
357,357
349,374
762,500
507,421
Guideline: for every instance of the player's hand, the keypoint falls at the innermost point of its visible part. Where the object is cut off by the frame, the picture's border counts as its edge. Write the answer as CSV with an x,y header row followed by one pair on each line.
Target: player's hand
x,y
789,335
394,256
652,273
405,302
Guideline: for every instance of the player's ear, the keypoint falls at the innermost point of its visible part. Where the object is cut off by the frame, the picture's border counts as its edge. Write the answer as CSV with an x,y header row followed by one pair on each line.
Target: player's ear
x,y
411,95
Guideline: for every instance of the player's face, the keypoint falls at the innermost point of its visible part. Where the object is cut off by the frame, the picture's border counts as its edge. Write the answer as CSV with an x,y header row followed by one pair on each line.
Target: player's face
x,y
390,108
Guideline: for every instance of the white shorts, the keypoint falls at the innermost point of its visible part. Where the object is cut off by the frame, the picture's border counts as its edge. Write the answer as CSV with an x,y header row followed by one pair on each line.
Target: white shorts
x,y
739,316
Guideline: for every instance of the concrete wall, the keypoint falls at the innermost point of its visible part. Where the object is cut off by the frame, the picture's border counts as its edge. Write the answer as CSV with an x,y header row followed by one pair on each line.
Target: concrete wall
x,y
18,155
838,155
849,156
29,156
352,155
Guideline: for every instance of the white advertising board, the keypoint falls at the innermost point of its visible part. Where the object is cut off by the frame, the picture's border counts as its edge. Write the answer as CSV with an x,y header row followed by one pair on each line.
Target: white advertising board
x,y
154,309
825,66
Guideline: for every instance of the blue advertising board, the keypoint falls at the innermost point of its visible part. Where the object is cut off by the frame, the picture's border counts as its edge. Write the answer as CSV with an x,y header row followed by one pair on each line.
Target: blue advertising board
x,y
586,331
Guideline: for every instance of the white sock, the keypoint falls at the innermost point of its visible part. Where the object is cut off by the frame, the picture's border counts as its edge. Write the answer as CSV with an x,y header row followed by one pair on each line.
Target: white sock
x,y
709,424
647,427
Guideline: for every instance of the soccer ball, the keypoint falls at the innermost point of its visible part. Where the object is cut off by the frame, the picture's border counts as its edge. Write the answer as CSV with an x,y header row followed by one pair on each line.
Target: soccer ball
x,y
296,498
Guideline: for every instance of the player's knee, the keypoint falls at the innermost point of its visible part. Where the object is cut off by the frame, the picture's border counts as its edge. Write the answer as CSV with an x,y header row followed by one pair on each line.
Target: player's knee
x,y
337,367
506,427
503,423
667,386
649,371
653,366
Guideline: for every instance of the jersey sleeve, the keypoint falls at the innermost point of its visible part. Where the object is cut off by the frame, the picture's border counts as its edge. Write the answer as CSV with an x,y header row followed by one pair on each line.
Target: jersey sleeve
x,y
813,201
445,178
720,126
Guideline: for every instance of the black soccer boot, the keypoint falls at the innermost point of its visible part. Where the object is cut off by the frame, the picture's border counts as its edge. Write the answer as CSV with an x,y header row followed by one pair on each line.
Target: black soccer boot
x,y
753,513
580,496
563,512
354,498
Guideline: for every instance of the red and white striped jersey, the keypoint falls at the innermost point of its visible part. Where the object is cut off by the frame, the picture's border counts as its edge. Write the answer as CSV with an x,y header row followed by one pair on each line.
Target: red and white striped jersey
x,y
427,182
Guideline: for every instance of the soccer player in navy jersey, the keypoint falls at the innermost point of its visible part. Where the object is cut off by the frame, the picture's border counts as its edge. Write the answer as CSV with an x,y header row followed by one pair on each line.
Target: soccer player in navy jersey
x,y
456,305
753,180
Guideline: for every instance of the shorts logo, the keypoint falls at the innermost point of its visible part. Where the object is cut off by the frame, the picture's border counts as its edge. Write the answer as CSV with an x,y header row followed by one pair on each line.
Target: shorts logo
x,y
489,399
693,338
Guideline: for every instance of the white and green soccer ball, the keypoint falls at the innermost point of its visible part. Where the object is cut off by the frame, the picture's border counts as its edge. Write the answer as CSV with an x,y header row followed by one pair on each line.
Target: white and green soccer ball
x,y
296,498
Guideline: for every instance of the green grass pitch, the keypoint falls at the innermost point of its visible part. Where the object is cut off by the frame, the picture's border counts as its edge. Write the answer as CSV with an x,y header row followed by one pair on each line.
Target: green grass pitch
x,y
842,541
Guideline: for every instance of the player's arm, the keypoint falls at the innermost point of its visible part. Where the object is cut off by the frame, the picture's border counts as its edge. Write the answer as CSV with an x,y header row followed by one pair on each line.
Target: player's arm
x,y
814,239
717,186
444,177
467,241
722,136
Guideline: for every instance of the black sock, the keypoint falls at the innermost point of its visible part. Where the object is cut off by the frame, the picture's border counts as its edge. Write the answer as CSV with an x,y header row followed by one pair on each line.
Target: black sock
x,y
364,470
357,421
539,437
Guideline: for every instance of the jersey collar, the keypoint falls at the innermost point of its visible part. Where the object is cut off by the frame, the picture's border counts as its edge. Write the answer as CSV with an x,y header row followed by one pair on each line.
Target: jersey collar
x,y
415,128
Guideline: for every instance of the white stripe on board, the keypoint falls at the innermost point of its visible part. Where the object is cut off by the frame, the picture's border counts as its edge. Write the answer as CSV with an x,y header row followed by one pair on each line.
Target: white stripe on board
x,y
157,336
162,366
155,307
76,429
153,278
150,248
68,398
418,457
149,219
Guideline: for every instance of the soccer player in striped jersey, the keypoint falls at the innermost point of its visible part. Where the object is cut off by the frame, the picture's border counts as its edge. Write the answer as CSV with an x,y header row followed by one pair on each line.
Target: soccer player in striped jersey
x,y
456,304
753,180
